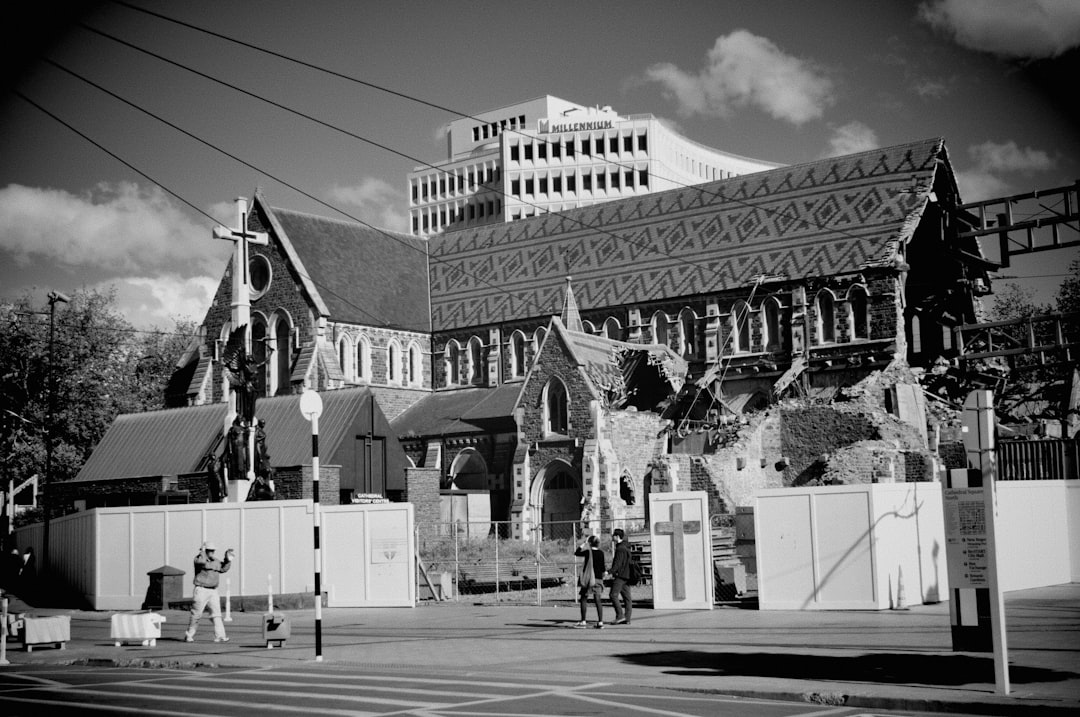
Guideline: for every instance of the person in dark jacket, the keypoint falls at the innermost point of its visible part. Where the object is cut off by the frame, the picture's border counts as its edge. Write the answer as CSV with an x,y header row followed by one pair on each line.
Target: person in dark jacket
x,y
620,578
591,580
208,570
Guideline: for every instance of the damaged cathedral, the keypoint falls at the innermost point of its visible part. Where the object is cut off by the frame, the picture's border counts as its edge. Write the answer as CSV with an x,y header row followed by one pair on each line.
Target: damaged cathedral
x,y
758,328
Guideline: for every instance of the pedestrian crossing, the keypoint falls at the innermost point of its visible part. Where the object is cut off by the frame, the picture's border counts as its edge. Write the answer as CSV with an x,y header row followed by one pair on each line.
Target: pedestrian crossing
x,y
339,691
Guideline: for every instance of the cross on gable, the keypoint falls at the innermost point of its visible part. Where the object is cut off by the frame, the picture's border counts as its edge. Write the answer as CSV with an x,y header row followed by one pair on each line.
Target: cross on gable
x,y
677,528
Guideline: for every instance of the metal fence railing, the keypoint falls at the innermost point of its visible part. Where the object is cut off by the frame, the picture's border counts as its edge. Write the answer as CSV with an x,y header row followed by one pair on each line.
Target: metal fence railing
x,y
476,561
1044,459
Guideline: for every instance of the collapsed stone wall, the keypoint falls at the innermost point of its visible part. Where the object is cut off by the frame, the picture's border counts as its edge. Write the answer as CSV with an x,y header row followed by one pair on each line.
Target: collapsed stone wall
x,y
856,438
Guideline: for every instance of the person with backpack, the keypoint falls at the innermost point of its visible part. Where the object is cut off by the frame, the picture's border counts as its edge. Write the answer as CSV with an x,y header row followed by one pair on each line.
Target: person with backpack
x,y
620,578
591,580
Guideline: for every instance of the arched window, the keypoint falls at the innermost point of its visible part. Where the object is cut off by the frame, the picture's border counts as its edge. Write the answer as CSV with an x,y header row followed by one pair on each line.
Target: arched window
x,y
858,313
826,317
346,357
660,328
556,408
393,362
740,327
517,355
416,365
281,374
774,339
452,363
687,333
363,359
587,327
538,339
476,363
612,329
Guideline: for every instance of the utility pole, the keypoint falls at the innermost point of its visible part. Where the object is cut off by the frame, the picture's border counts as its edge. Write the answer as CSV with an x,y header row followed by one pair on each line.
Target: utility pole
x,y
54,298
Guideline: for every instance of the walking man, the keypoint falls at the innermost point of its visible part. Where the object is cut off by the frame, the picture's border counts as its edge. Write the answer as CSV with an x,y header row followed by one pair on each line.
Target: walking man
x,y
208,570
620,574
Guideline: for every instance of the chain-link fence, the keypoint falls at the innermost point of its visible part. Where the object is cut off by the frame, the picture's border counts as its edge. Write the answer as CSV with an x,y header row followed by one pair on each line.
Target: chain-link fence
x,y
478,562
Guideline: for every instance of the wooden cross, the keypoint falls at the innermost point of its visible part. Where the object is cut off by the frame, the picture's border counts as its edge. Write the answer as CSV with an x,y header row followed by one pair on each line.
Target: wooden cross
x,y
677,528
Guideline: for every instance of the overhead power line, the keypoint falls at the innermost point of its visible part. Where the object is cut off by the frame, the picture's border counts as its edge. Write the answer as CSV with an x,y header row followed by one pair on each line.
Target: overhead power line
x,y
381,88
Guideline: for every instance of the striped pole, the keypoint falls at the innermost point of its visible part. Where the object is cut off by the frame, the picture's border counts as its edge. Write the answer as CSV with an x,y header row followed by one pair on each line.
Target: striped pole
x,y
311,406
318,558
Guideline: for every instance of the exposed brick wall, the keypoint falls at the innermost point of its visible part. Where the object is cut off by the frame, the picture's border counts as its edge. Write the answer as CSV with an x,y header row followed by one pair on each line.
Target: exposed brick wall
x,y
737,470
294,483
634,436
422,490
395,401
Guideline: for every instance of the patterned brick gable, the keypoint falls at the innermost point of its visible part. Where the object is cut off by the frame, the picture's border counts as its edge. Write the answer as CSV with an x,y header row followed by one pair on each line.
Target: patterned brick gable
x,y
821,218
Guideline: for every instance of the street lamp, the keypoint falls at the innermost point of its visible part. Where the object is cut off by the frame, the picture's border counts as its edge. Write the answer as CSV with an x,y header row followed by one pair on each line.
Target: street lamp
x,y
311,406
55,297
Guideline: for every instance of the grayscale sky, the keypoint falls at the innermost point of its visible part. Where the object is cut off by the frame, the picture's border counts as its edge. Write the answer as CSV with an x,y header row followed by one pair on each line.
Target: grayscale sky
x,y
781,81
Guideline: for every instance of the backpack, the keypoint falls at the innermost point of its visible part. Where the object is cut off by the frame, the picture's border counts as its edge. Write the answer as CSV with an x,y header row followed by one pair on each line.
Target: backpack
x,y
635,572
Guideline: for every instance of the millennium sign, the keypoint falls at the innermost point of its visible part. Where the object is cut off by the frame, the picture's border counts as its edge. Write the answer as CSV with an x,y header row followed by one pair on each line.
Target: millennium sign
x,y
544,126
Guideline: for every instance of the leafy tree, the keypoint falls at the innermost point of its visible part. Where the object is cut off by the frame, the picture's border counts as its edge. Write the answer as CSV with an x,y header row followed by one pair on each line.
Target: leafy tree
x,y
100,366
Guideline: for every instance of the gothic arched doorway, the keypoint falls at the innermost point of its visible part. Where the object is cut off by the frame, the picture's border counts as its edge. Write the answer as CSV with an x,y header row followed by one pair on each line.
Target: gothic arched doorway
x,y
557,497
469,471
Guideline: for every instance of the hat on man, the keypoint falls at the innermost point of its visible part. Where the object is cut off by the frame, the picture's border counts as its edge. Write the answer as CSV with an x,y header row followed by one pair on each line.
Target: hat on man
x,y
208,546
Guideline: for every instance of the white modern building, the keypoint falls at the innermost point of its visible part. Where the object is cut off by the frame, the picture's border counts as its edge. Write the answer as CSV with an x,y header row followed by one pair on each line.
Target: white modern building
x,y
549,155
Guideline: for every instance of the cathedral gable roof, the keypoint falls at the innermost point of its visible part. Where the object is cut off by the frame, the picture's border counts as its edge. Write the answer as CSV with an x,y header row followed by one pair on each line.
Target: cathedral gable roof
x,y
831,216
356,273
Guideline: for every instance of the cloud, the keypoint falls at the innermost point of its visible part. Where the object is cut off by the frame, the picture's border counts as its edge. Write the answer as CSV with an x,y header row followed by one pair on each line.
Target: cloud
x,y
851,138
930,89
378,201
1018,29
991,160
119,229
156,301
746,70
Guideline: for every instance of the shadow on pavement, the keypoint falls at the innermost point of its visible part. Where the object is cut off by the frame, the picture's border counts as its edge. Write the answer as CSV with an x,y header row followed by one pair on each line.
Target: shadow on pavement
x,y
884,668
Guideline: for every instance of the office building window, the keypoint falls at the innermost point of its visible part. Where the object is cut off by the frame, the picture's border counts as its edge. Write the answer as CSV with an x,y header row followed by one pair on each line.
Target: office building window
x,y
571,183
515,153
442,186
415,224
541,150
586,182
601,180
599,146
642,143
628,175
569,148
556,150
414,191
613,145
529,186
515,187
543,185
643,177
528,152
628,143
475,134
556,183
614,180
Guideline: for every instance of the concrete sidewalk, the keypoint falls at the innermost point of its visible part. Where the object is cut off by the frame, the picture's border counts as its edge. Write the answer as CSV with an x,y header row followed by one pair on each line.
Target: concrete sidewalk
x,y
884,660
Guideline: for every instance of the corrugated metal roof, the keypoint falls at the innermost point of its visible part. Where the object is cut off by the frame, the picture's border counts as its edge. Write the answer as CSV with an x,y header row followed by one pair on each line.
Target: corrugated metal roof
x,y
464,410
156,443
175,441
